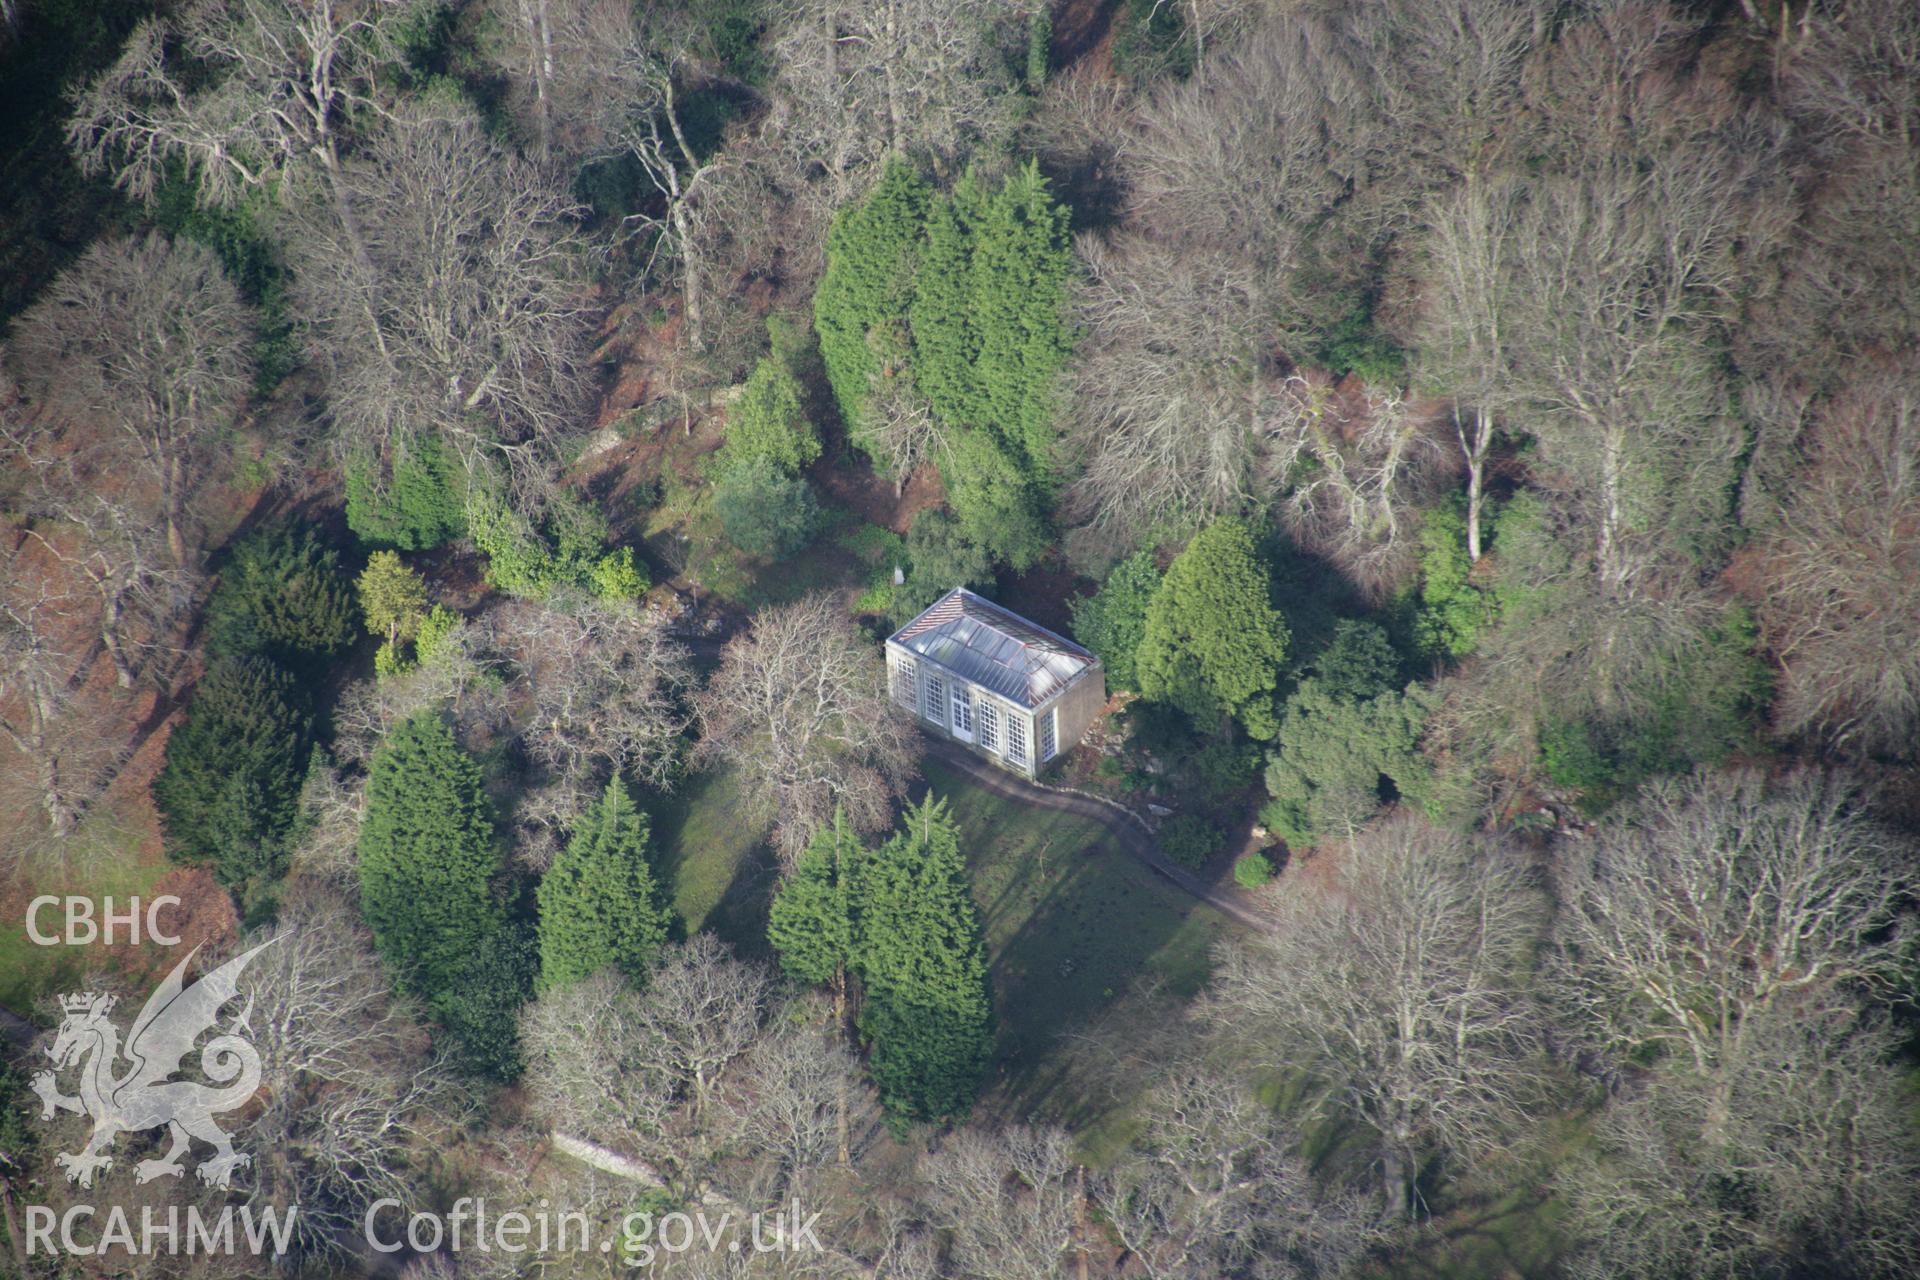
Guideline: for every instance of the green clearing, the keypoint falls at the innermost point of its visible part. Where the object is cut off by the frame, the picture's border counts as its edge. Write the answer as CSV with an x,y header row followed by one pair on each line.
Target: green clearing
x,y
1082,938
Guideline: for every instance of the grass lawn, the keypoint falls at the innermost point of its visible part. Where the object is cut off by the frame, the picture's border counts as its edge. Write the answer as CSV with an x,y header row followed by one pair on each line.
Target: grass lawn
x,y
1081,936
103,860
718,871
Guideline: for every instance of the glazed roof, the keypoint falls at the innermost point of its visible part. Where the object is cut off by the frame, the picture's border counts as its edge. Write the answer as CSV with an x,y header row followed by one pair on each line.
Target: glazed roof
x,y
994,648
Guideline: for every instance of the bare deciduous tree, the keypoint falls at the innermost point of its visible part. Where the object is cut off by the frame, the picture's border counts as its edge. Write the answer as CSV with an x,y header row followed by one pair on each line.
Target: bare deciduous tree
x,y
135,361
1211,1187
1167,392
1402,986
1842,585
789,1097
1375,461
351,1091
641,1071
605,78
139,591
37,713
799,707
1816,1165
1463,328
243,93
1727,931
607,687
1227,265
464,314
856,82
1007,1200
1721,898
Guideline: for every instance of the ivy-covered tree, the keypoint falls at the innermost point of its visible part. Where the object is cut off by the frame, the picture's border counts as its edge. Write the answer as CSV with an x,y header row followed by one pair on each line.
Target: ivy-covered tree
x,y
928,1011
1213,642
282,594
1451,611
600,906
1332,752
769,420
1113,620
427,857
230,786
419,504
765,510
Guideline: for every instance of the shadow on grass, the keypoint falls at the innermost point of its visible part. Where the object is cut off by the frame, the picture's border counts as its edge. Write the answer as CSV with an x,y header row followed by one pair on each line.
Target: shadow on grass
x,y
718,872
1081,938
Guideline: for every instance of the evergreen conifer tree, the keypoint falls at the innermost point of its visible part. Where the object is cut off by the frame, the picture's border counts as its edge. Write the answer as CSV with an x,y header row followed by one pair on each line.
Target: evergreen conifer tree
x,y
1020,265
1112,620
426,857
868,282
1213,641
281,594
946,342
599,903
230,786
810,923
927,1009
393,598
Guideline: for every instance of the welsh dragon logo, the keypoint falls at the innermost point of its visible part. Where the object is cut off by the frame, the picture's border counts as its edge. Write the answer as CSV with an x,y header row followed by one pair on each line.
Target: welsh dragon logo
x,y
142,1096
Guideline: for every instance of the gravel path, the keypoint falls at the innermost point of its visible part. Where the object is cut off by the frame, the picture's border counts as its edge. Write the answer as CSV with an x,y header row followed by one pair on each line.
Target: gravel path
x,y
1127,833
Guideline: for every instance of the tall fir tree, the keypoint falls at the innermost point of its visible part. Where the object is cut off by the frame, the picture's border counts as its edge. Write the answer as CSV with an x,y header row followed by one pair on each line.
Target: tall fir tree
x,y
1213,641
946,342
1022,260
282,594
427,856
811,921
812,925
922,956
600,906
871,250
230,786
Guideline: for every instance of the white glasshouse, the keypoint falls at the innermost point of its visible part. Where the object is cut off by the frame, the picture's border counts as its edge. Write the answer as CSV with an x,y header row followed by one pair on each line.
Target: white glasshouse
x,y
1007,688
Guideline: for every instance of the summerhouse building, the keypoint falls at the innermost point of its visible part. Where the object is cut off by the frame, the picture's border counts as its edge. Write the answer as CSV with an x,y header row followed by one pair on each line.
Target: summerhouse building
x,y
1007,688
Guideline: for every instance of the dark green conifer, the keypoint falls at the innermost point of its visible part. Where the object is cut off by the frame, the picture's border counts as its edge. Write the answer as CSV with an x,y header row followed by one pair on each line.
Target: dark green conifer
x,y
927,1010
599,904
427,857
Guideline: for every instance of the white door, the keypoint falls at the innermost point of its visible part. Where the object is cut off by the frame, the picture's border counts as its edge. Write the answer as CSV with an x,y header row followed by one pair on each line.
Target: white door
x,y
962,711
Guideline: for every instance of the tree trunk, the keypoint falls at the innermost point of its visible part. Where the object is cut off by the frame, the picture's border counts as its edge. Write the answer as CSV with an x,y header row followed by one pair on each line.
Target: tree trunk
x,y
1396,1203
356,239
543,76
890,68
175,508
60,814
110,640
1475,449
